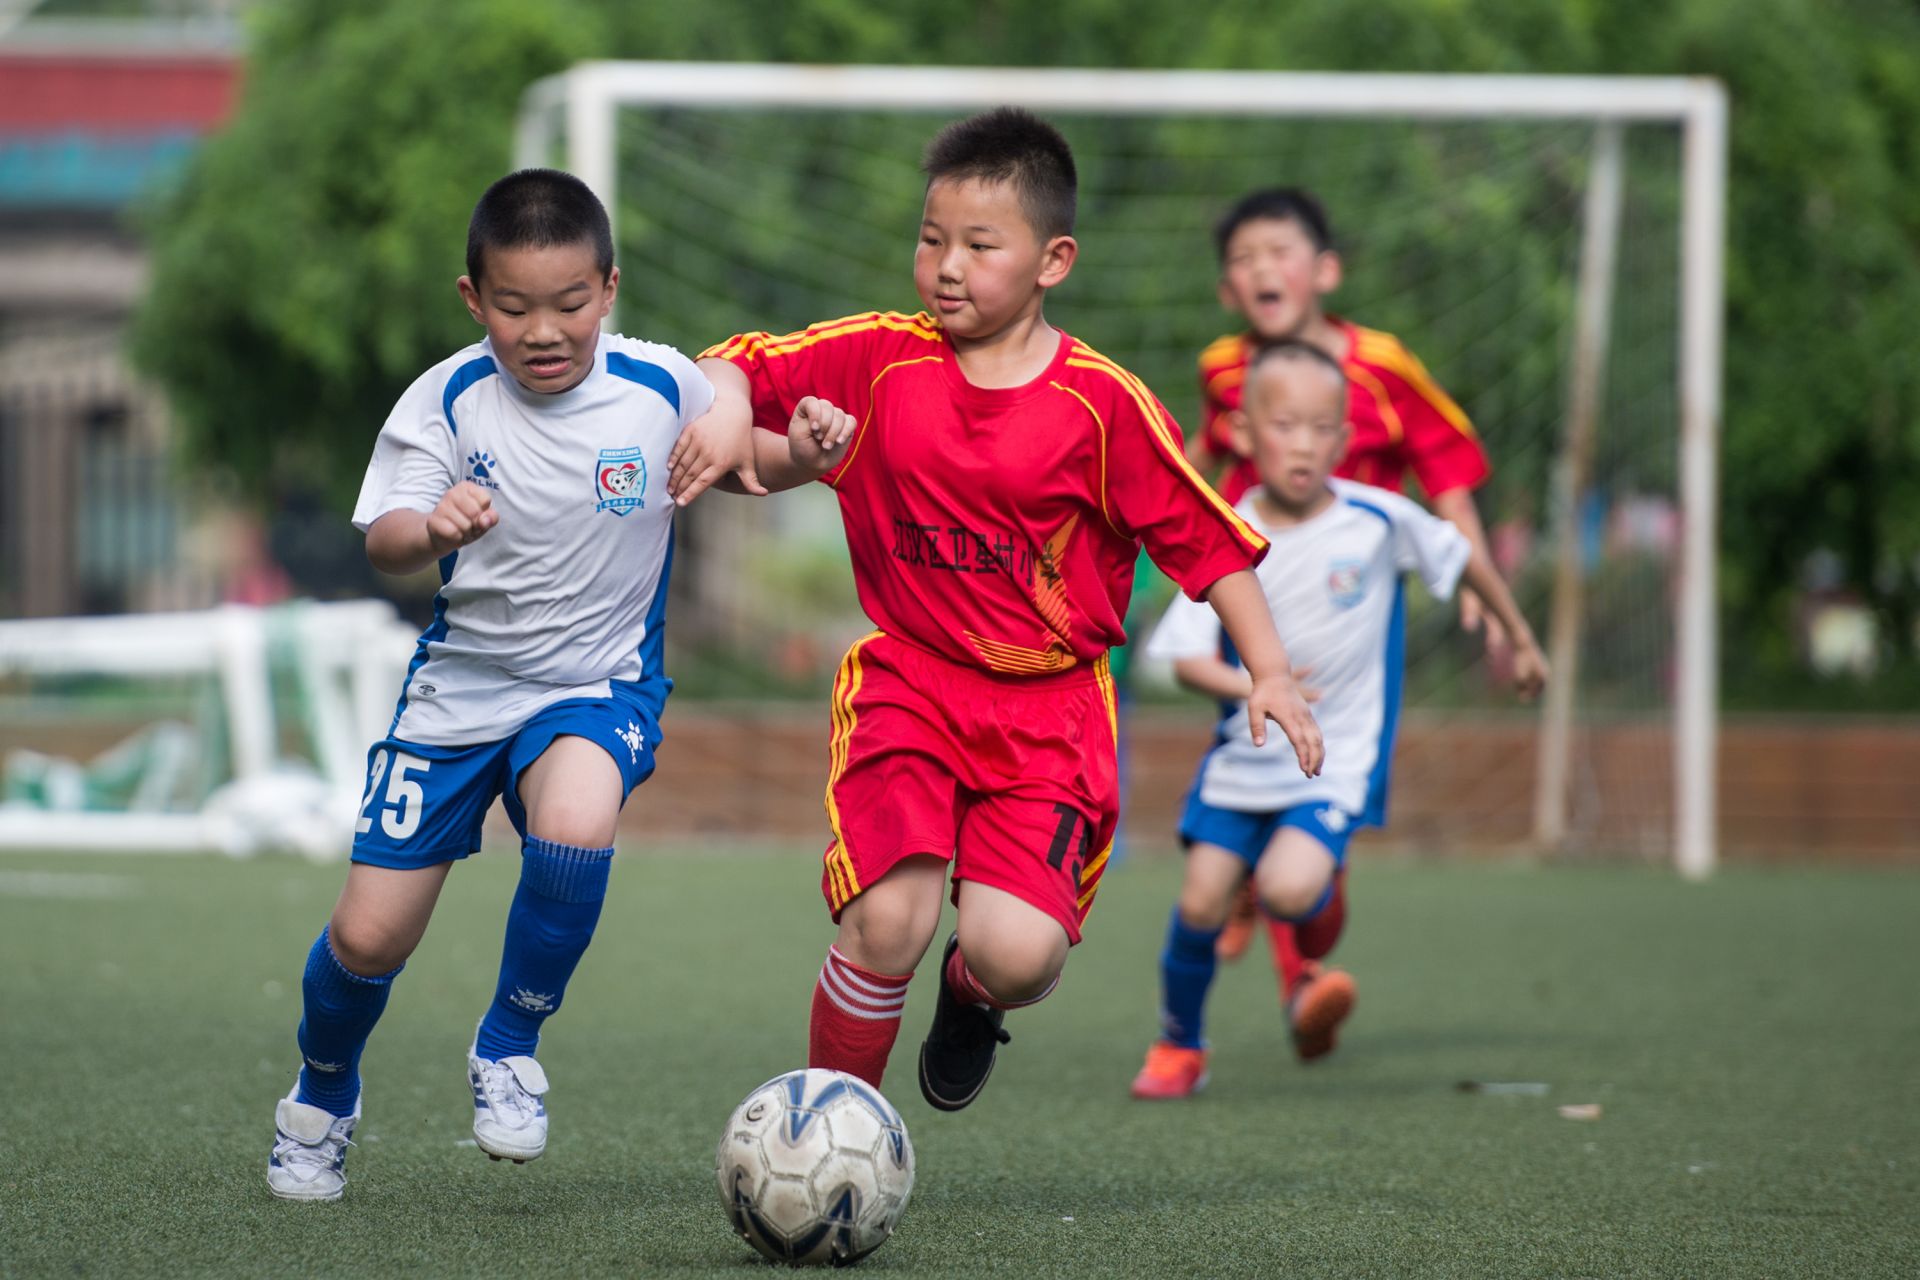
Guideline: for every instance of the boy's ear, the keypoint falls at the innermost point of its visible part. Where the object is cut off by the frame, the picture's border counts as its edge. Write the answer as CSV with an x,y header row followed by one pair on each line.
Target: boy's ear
x,y
471,296
1240,431
1056,260
613,290
1227,301
1327,271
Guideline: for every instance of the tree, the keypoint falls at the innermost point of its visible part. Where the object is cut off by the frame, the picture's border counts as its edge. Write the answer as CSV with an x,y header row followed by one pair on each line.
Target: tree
x,y
304,268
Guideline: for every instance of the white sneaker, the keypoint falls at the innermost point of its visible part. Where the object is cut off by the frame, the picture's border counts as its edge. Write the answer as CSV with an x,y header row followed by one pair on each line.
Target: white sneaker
x,y
309,1160
509,1111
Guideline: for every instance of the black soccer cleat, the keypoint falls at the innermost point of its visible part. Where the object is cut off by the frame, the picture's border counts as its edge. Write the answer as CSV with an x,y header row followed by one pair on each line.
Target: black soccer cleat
x,y
957,1056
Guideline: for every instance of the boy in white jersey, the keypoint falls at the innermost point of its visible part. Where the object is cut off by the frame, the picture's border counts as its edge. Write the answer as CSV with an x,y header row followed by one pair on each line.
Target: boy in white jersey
x,y
1334,583
532,467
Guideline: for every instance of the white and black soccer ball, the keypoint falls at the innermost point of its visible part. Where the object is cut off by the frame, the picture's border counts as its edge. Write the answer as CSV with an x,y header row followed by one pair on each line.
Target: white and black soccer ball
x,y
815,1168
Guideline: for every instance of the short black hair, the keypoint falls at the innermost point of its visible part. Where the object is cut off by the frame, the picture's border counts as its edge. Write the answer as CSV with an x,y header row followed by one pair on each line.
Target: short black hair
x,y
1277,204
1294,351
538,208
1008,144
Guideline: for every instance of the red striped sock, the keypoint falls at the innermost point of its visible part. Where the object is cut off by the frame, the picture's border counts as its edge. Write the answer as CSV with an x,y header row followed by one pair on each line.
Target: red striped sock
x,y
856,1018
967,988
1287,960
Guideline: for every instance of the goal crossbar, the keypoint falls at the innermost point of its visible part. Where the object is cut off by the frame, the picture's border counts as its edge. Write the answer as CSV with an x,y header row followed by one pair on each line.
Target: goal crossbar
x,y
580,104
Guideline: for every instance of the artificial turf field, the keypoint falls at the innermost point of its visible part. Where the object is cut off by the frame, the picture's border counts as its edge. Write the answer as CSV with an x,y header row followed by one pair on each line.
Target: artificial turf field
x,y
1754,1045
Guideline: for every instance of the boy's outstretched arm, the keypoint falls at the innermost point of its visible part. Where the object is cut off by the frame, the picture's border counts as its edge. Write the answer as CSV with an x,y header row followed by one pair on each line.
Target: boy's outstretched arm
x,y
719,444
1213,678
1457,508
1529,664
403,542
1242,607
815,442
1219,680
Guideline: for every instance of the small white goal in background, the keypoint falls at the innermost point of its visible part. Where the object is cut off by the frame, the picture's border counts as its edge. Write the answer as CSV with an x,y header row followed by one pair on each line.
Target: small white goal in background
x,y
236,729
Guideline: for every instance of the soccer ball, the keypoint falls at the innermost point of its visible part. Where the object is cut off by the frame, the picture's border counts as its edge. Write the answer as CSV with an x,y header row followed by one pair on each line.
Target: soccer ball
x,y
814,1168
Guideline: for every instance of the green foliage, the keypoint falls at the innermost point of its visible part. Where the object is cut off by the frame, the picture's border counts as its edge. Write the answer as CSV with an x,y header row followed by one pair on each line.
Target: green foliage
x,y
303,268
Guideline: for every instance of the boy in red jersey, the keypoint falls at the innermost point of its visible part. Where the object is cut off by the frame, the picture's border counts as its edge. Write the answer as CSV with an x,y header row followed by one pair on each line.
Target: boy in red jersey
x,y
996,482
1277,263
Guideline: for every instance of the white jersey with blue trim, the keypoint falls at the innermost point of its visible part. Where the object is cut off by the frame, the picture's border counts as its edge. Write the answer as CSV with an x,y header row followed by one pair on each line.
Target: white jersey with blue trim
x,y
569,590
1336,589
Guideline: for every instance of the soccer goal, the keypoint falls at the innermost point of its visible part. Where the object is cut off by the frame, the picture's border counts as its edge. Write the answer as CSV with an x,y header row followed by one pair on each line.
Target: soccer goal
x,y
1551,247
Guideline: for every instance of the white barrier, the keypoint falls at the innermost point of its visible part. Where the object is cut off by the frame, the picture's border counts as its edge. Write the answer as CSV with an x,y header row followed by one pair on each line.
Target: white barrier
x,y
346,662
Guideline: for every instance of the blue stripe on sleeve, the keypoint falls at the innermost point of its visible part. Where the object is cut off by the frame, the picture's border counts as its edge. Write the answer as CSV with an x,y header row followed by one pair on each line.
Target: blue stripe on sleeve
x,y
465,376
647,374
1369,507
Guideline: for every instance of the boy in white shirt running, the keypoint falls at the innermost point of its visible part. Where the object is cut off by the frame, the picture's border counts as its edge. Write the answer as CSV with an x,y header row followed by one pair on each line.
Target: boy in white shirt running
x,y
1334,581
532,466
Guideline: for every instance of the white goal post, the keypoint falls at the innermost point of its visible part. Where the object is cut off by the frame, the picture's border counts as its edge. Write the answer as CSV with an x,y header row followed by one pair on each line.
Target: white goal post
x,y
578,109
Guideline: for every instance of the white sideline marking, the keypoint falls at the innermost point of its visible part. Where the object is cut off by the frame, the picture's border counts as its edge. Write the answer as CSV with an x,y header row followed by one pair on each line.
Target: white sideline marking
x,y
65,884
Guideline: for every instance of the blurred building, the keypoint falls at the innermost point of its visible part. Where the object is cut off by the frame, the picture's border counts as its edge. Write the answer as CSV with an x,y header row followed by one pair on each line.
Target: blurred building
x,y
93,115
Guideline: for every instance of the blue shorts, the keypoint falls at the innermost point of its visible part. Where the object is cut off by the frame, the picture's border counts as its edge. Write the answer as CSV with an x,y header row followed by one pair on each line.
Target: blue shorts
x,y
1247,835
424,804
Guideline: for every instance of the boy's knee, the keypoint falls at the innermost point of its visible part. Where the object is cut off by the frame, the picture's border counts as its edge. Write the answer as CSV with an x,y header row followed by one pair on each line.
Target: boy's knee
x,y
1204,909
1295,900
879,932
887,933
1018,970
366,948
577,828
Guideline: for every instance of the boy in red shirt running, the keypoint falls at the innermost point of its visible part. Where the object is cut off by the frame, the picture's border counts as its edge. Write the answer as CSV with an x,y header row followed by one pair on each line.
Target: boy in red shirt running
x,y
1277,263
997,478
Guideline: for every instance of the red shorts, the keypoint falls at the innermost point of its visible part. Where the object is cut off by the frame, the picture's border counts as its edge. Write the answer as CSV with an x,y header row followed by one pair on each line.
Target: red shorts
x,y
1011,778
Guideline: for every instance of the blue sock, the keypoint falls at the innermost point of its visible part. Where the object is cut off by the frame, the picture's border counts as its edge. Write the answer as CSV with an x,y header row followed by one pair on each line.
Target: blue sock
x,y
340,1008
548,928
1186,971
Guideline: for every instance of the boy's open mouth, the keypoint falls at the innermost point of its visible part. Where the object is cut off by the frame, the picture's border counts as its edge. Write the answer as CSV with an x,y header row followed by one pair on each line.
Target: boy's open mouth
x,y
547,366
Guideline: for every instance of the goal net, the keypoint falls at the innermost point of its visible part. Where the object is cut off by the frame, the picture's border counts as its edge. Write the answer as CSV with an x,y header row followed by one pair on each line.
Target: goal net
x,y
1522,236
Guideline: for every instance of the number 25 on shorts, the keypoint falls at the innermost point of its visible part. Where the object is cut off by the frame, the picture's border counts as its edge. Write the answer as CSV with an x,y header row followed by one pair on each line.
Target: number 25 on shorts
x,y
401,815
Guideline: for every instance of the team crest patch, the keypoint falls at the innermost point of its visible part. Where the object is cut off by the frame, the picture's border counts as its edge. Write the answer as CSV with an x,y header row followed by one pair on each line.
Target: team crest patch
x,y
1346,582
620,481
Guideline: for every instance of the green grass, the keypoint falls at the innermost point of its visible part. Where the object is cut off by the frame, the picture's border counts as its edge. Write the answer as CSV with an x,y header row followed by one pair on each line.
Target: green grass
x,y
1755,1045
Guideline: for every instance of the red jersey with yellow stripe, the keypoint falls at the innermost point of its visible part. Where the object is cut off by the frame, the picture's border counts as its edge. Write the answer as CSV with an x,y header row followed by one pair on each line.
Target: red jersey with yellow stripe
x,y
1401,420
997,527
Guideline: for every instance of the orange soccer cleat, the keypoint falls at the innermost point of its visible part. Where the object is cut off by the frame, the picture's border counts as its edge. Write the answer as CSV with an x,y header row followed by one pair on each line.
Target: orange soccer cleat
x,y
1233,940
1171,1071
1319,1005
